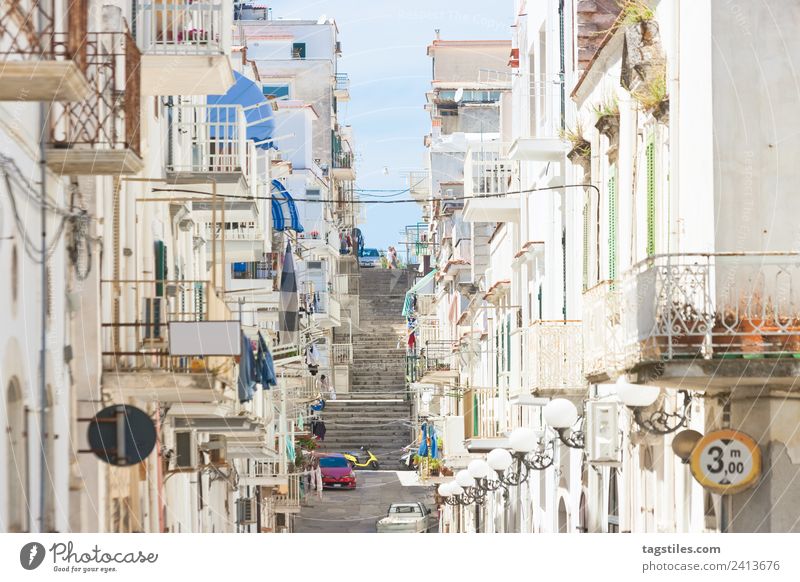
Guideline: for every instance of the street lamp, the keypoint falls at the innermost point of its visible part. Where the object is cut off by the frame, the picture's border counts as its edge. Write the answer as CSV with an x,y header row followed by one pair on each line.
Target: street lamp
x,y
526,441
562,415
637,397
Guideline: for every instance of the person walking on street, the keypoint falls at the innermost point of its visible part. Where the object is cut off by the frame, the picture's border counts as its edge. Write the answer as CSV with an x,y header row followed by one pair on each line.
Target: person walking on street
x,y
392,257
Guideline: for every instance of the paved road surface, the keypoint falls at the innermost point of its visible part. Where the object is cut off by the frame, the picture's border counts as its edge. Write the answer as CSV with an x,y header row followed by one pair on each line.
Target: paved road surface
x,y
359,510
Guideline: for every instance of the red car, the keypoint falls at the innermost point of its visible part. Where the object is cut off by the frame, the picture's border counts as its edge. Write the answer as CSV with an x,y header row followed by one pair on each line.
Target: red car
x,y
337,473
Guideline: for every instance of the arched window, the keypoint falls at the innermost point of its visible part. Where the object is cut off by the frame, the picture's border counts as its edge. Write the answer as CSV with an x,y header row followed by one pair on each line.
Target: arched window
x,y
16,459
563,517
613,503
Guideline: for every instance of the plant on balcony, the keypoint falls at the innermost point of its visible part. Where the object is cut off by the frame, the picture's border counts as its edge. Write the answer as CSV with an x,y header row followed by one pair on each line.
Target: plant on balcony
x,y
580,148
608,118
654,99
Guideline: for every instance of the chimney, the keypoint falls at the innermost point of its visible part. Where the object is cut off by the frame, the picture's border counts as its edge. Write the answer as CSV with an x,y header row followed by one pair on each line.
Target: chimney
x,y
595,18
437,34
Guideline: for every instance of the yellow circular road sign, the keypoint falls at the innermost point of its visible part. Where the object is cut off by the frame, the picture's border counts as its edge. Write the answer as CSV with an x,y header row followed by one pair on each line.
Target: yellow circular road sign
x,y
726,461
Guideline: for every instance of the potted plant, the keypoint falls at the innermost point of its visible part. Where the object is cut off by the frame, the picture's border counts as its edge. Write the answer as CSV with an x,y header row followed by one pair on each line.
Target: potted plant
x,y
608,118
580,148
654,99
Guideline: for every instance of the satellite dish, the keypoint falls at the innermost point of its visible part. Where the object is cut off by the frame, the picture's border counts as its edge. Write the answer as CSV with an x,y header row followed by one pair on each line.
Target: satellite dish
x,y
122,435
459,95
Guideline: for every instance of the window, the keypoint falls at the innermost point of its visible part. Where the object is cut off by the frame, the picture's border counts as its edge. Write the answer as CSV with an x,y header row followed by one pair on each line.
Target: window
x,y
17,459
275,91
298,50
613,503
333,463
542,88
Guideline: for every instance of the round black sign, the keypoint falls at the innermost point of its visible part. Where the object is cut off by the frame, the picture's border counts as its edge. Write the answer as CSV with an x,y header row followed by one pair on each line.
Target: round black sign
x,y
122,435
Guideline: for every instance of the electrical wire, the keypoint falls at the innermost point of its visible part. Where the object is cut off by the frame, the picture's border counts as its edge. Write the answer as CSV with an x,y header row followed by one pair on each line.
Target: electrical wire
x,y
406,201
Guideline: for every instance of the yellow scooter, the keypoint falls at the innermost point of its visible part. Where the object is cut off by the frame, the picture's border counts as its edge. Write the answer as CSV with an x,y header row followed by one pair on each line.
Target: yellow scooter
x,y
365,460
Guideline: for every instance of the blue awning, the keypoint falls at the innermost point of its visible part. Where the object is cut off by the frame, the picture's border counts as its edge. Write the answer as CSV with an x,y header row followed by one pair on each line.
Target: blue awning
x,y
288,203
258,112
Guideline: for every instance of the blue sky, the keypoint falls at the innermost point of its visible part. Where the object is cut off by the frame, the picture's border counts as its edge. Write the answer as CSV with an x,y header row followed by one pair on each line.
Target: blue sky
x,y
383,45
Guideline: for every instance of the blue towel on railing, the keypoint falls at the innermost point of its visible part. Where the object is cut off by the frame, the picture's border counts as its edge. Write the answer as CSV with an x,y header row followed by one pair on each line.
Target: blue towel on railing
x,y
247,365
266,366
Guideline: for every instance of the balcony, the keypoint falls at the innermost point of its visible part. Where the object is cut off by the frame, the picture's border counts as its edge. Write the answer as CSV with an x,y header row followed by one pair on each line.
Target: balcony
x,y
322,306
723,319
243,241
266,474
43,65
136,352
319,243
208,143
487,178
341,88
184,46
100,135
555,358
254,277
342,354
342,165
435,361
287,499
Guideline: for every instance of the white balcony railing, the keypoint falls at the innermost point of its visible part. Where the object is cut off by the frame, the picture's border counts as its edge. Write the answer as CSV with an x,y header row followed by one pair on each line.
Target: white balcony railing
x,y
555,357
291,499
240,231
209,140
486,171
183,27
342,353
693,306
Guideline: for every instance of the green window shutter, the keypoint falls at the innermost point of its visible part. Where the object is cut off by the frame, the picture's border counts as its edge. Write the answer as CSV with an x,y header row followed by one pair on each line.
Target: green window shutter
x,y
476,421
586,212
160,266
612,224
508,344
650,154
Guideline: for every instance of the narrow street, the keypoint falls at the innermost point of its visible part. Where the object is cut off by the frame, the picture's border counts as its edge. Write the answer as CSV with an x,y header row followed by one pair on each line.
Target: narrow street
x,y
358,511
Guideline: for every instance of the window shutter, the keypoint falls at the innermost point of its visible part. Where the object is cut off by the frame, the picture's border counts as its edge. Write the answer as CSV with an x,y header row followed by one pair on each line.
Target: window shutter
x,y
161,266
650,154
612,224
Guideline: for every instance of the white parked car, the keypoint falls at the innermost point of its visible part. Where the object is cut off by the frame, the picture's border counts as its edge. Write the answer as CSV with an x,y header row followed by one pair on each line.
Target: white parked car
x,y
412,517
369,258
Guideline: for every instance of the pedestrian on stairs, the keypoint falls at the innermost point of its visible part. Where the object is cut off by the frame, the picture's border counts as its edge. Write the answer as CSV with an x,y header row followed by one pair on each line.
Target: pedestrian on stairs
x,y
326,387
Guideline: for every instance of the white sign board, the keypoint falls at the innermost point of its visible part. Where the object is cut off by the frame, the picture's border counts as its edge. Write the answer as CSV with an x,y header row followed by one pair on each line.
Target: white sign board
x,y
726,461
205,338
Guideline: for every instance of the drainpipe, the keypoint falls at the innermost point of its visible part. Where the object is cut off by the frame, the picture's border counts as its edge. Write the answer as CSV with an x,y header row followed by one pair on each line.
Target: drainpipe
x,y
43,338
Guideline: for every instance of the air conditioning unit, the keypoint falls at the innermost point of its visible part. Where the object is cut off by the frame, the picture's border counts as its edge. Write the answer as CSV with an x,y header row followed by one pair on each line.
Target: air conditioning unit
x,y
185,457
602,432
246,510
152,317
218,450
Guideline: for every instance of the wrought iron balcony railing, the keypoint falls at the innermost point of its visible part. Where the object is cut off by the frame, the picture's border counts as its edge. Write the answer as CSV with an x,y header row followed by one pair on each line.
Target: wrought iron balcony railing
x,y
100,135
342,160
687,306
43,51
555,357
136,334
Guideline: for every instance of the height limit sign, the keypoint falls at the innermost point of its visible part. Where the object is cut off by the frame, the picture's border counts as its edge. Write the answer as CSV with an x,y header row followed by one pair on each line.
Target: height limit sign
x,y
726,461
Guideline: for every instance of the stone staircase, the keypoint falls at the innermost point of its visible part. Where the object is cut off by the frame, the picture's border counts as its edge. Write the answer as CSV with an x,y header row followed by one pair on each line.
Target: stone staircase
x,y
375,413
